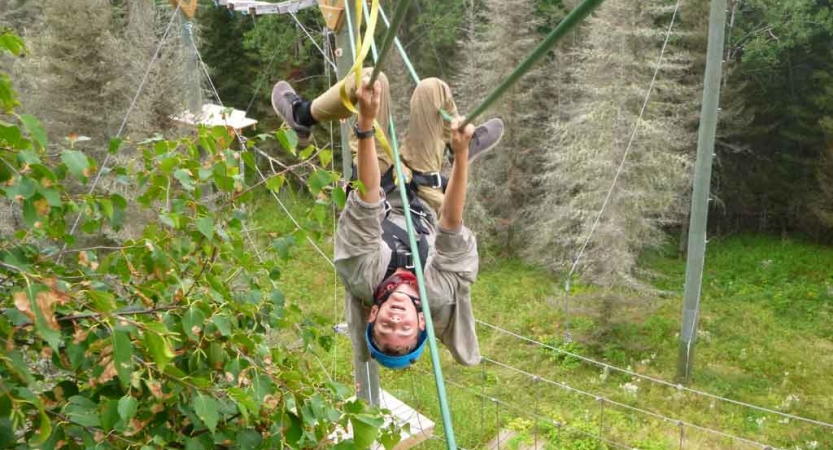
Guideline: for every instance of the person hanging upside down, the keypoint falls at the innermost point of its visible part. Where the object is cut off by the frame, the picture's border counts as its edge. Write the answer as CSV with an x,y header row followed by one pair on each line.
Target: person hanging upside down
x,y
372,251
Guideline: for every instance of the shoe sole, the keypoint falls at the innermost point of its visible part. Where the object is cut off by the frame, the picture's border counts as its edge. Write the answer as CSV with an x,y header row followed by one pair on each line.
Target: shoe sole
x,y
478,155
302,141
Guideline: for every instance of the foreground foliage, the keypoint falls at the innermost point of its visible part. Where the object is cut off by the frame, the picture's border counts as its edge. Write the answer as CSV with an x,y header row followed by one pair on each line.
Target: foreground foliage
x,y
159,341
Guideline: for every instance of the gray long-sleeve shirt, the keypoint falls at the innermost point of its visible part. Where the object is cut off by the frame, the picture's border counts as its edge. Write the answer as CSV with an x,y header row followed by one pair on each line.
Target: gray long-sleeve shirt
x,y
362,257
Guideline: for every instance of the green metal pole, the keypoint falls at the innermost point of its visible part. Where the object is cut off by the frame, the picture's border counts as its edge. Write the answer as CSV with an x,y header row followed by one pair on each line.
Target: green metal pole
x,y
426,309
393,28
576,15
401,49
700,197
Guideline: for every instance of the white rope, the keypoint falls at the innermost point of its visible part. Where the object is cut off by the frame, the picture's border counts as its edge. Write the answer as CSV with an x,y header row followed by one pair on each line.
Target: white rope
x,y
129,111
621,164
336,321
679,387
525,411
332,64
568,388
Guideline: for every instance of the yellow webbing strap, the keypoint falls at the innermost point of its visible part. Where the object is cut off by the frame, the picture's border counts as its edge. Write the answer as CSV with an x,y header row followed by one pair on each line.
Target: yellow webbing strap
x,y
364,48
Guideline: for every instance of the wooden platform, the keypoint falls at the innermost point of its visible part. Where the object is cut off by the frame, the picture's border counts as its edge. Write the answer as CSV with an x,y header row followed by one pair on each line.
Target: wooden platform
x,y
213,115
503,440
421,427
257,7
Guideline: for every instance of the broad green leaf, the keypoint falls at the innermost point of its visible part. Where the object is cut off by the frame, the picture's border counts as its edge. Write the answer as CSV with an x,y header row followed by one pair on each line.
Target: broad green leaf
x,y
44,427
77,163
82,411
109,416
339,197
249,159
8,99
317,181
128,405
35,129
115,145
24,188
185,179
44,315
106,206
193,322
102,301
18,367
307,152
282,245
123,356
223,324
288,139
205,225
275,183
325,157
206,409
249,440
6,433
158,345
365,429
119,206
12,43
390,440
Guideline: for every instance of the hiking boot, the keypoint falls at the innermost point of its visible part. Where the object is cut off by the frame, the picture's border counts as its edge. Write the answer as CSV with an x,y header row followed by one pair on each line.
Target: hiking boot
x,y
485,138
283,100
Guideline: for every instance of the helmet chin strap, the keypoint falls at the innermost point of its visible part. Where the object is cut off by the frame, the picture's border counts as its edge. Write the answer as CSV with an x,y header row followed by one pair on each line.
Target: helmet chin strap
x,y
386,296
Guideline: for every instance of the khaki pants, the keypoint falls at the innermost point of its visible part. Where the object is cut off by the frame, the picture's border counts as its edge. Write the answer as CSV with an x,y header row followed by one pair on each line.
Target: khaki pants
x,y
424,145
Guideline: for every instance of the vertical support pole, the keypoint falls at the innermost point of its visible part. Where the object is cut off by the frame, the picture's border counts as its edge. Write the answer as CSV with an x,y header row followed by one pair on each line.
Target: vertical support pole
x,y
536,380
483,401
366,372
700,197
191,69
497,416
682,433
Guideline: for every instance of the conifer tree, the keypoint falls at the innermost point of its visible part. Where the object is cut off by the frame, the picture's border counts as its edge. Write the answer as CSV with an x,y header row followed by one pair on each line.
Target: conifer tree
x,y
499,35
615,62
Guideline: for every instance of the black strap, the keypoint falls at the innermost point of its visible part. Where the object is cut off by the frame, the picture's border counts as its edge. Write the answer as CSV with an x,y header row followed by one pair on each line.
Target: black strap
x,y
430,179
396,239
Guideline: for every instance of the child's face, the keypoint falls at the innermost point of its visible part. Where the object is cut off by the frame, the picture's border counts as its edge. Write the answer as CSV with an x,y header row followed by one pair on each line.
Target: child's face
x,y
396,323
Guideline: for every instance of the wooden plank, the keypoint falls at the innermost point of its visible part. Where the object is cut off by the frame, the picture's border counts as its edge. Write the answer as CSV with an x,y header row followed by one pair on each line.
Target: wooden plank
x,y
333,12
214,115
259,7
189,7
422,428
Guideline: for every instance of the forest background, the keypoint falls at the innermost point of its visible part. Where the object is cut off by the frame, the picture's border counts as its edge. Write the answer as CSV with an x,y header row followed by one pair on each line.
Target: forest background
x,y
568,122
568,125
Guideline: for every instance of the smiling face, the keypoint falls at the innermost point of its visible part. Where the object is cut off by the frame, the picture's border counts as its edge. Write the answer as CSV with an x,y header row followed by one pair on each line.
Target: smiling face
x,y
396,323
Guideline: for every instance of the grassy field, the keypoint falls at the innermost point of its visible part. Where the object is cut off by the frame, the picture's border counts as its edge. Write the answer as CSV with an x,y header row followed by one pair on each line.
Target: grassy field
x,y
765,337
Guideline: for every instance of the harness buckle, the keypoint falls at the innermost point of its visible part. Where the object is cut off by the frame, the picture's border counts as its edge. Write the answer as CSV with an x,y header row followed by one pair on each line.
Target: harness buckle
x,y
437,179
422,214
410,265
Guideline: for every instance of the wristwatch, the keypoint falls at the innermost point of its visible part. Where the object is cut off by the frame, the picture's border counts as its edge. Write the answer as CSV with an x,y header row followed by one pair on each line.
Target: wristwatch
x,y
363,134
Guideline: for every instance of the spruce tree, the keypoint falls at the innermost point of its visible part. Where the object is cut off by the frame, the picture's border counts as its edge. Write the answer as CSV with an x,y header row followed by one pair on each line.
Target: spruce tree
x,y
614,66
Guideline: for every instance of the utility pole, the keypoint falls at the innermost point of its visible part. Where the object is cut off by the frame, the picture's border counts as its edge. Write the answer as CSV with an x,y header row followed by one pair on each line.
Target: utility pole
x,y
191,68
366,371
700,197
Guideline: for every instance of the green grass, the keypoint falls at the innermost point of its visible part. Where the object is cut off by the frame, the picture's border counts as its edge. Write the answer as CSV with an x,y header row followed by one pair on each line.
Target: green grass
x,y
765,338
